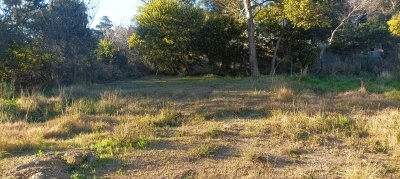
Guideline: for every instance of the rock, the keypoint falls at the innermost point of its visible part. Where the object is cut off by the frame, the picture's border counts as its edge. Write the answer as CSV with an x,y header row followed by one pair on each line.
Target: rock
x,y
78,157
90,157
39,175
36,160
74,158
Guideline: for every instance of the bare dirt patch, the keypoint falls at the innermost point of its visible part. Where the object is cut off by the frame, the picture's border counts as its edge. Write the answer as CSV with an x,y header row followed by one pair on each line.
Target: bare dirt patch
x,y
51,166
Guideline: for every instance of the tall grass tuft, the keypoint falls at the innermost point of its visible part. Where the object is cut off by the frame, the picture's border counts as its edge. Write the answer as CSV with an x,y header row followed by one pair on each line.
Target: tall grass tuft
x,y
7,90
109,103
9,111
133,128
13,140
361,170
8,107
284,94
170,118
395,95
301,126
384,129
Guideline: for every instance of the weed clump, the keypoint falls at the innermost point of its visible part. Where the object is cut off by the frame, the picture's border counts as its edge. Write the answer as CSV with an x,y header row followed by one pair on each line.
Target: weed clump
x,y
284,94
107,148
169,118
300,126
204,150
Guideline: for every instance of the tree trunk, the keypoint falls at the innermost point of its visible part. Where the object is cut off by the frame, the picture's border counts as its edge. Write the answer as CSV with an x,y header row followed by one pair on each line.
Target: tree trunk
x,y
272,72
321,55
321,60
251,39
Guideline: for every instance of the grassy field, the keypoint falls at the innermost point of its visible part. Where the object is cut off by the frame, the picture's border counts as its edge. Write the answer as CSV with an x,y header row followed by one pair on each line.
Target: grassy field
x,y
208,127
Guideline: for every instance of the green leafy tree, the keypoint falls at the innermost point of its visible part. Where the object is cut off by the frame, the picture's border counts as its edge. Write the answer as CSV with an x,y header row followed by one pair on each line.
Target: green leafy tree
x,y
304,54
294,21
357,39
165,34
345,12
19,60
221,40
227,7
6,36
394,25
105,52
306,14
272,26
236,8
105,24
65,33
104,28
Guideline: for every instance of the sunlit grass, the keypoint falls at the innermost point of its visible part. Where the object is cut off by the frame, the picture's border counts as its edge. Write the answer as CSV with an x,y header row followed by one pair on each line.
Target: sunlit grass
x,y
236,117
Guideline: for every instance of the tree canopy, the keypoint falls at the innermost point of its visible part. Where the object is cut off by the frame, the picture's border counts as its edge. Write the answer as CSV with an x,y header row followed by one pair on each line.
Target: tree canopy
x,y
165,34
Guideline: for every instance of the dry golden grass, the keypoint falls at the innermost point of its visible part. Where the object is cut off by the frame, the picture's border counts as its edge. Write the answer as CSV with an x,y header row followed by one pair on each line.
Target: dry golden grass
x,y
354,169
19,136
284,94
209,127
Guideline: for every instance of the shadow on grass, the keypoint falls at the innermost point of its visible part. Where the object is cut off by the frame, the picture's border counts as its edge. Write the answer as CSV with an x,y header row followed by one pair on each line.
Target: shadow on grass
x,y
98,169
11,111
166,145
242,113
342,83
276,161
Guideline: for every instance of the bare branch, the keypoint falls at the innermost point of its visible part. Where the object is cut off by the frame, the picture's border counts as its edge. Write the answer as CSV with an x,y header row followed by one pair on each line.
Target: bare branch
x,y
256,4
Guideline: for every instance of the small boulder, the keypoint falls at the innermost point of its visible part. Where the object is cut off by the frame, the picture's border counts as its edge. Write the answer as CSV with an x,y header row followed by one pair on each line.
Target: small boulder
x,y
78,157
74,158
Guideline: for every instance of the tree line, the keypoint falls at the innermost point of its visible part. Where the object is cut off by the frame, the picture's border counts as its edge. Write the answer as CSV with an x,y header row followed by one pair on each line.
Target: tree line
x,y
253,37
50,42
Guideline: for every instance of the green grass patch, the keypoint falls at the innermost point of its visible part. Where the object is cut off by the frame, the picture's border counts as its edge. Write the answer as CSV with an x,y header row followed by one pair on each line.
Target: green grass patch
x,y
329,83
107,148
339,83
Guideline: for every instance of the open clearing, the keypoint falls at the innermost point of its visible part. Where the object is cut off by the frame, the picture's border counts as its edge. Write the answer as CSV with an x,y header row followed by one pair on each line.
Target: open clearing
x,y
206,127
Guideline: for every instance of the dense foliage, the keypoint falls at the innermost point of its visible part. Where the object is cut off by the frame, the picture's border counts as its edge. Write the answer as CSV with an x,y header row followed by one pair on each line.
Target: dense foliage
x,y
166,33
48,43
